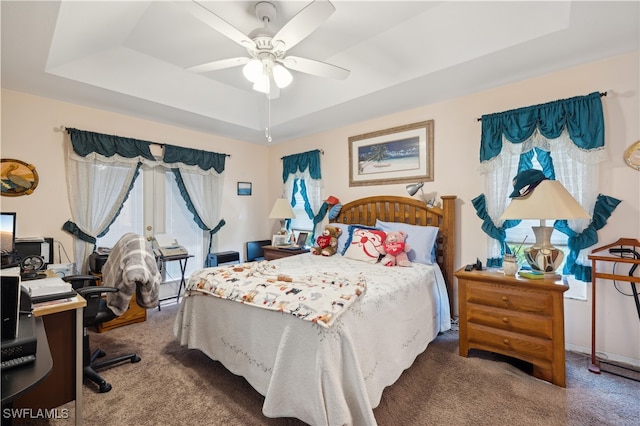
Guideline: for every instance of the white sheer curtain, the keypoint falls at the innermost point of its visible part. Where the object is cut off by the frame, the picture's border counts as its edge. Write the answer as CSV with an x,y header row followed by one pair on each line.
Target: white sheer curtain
x,y
499,174
576,169
314,189
97,188
204,189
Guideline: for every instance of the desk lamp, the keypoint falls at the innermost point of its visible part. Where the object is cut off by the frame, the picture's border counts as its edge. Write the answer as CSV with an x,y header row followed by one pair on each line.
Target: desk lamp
x,y
414,187
544,200
282,210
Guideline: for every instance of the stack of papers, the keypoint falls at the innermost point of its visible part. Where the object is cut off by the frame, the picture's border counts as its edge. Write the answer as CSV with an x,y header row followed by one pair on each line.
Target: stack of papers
x,y
48,289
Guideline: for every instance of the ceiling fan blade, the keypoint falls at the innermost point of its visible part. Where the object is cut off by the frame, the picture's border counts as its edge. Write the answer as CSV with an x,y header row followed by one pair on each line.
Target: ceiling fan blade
x,y
304,23
309,66
217,23
218,65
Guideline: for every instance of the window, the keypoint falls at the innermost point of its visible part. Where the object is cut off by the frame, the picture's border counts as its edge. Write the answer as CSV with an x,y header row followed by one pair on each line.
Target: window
x,y
156,206
301,221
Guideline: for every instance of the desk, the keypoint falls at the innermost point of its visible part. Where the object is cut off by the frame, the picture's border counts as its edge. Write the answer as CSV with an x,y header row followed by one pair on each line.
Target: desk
x,y
18,381
64,331
182,258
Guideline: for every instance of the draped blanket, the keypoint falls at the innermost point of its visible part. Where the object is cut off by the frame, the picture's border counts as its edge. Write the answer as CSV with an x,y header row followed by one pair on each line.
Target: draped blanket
x,y
131,266
319,297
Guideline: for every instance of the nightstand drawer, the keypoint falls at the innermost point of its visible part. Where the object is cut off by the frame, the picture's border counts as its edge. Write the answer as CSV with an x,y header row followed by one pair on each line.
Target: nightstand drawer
x,y
510,297
509,343
530,324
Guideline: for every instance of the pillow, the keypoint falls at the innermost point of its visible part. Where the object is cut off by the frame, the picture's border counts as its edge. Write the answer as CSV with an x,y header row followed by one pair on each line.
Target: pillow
x,y
421,240
342,239
364,243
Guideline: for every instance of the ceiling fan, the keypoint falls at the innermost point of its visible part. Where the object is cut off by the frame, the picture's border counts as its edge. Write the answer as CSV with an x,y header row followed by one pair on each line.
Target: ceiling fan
x,y
266,66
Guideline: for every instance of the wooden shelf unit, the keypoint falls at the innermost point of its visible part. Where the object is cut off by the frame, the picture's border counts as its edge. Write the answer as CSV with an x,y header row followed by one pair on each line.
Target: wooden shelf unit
x,y
594,365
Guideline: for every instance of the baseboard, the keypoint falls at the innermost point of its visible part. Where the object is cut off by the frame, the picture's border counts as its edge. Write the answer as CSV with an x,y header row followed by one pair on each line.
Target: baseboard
x,y
604,356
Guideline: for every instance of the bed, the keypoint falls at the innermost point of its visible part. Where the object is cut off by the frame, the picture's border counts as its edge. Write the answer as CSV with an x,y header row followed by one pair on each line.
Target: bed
x,y
328,372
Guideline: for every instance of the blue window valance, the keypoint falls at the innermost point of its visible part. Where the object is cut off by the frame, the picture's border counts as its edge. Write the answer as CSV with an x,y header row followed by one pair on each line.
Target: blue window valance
x,y
85,143
581,116
291,164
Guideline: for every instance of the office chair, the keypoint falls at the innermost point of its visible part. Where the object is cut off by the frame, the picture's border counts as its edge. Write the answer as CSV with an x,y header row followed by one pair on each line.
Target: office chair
x,y
96,312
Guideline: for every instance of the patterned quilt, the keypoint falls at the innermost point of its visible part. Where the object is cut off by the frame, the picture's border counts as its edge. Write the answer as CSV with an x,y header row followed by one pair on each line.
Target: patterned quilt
x,y
318,297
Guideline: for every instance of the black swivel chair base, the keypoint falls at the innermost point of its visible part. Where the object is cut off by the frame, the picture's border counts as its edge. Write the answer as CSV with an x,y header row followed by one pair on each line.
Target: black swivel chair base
x,y
89,371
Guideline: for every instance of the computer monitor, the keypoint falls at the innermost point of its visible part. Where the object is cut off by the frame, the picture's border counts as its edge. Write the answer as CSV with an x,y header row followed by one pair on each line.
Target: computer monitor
x,y
7,233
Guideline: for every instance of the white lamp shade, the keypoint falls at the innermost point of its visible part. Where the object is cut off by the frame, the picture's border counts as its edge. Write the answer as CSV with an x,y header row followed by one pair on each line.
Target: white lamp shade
x,y
253,70
549,200
282,76
262,84
281,210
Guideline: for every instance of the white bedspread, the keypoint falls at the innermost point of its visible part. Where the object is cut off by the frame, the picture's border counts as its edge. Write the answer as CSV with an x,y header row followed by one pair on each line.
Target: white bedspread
x,y
324,376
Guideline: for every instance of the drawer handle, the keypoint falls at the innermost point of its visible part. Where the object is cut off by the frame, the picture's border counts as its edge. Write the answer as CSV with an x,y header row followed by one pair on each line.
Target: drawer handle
x,y
505,320
505,299
505,341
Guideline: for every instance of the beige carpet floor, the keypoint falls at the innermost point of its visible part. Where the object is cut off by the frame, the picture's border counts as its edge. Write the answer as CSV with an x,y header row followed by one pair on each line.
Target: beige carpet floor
x,y
173,385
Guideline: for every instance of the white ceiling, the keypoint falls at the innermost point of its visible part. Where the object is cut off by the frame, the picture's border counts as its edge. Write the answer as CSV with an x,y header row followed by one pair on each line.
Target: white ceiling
x,y
131,57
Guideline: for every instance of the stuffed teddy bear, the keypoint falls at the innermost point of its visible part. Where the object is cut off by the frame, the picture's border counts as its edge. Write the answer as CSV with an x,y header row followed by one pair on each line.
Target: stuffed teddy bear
x,y
396,249
327,242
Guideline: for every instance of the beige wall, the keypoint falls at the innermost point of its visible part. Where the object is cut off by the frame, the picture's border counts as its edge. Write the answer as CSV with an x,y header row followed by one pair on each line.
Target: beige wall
x,y
457,141
29,133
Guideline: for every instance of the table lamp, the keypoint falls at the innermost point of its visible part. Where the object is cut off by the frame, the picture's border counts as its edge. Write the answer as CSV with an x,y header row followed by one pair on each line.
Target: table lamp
x,y
282,210
547,200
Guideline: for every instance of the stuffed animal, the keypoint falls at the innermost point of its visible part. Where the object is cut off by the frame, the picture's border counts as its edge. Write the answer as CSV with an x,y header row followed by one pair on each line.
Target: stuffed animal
x,y
396,249
327,242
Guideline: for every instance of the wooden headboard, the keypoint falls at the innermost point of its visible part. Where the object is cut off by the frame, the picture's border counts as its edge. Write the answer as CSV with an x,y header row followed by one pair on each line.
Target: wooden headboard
x,y
390,208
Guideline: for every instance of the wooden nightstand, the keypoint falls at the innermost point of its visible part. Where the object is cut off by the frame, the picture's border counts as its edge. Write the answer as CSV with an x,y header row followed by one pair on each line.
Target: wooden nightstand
x,y
513,316
271,252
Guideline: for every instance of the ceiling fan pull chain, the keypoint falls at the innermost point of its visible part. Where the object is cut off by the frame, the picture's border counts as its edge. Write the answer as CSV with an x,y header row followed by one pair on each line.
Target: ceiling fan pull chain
x,y
267,132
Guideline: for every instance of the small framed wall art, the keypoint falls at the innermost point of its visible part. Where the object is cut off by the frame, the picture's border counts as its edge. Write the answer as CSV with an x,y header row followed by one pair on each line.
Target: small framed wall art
x,y
18,178
244,188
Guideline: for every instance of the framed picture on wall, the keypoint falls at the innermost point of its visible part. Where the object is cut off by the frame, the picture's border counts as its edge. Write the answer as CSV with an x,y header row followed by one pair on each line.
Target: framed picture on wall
x,y
244,188
401,154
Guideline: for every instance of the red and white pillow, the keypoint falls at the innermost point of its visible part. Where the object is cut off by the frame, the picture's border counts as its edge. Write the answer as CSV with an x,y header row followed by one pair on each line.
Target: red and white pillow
x,y
364,244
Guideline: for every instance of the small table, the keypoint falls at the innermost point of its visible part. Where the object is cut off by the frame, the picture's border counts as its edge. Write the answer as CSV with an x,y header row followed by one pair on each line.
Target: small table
x,y
273,252
182,258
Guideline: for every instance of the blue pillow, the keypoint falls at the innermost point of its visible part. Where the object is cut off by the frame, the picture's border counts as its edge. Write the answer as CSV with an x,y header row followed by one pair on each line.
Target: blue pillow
x,y
421,239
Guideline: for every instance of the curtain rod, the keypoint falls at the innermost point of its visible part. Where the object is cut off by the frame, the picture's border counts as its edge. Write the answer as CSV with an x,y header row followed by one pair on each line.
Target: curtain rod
x,y
64,129
601,95
321,152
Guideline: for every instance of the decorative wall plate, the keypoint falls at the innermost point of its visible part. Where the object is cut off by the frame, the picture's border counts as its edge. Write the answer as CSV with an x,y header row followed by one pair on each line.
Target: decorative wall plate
x,y
18,178
632,156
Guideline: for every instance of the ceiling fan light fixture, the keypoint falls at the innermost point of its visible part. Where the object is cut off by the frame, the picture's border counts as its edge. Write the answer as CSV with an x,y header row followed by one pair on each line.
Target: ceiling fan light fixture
x,y
282,76
262,84
253,70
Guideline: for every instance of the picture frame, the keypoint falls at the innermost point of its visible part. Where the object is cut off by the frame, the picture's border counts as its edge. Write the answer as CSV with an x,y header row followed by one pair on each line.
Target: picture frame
x,y
18,178
402,154
301,239
279,240
244,188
